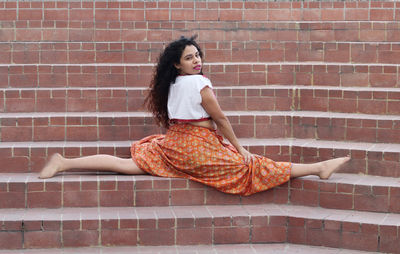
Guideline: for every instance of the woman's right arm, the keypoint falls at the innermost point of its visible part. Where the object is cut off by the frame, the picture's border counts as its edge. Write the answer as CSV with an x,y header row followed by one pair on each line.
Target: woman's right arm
x,y
211,106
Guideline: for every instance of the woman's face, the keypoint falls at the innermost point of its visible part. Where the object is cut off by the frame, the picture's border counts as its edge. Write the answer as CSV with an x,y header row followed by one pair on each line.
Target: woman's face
x,y
190,62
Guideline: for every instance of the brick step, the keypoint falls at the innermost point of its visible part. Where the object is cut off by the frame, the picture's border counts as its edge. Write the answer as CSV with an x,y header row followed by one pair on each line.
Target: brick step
x,y
367,158
85,189
192,225
366,100
221,74
201,11
218,51
259,248
81,126
159,30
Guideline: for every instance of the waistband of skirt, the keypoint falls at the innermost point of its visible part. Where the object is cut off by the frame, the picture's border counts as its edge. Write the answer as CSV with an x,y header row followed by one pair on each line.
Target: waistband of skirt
x,y
190,127
173,121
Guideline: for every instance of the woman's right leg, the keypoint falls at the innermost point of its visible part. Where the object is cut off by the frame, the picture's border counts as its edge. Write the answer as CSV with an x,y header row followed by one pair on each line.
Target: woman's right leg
x,y
99,162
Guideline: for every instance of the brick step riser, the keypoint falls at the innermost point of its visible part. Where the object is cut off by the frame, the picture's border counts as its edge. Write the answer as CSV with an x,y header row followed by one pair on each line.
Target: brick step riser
x,y
26,159
201,11
204,230
240,99
357,33
221,51
41,129
124,192
171,10
232,74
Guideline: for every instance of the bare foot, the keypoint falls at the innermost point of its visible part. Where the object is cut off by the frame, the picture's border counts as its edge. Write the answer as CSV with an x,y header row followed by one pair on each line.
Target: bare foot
x,y
52,167
331,166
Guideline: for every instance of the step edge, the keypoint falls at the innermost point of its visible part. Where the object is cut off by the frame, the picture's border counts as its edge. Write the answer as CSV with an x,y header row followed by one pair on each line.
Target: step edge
x,y
337,178
205,211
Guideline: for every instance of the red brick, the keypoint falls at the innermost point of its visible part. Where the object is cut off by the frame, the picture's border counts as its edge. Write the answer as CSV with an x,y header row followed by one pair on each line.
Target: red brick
x,y
81,14
215,197
336,201
187,197
154,198
332,14
253,14
296,235
303,197
47,199
365,242
356,14
260,198
157,15
192,236
394,197
116,198
39,239
231,235
383,80
271,234
80,199
381,14
156,237
77,238
15,164
389,241
11,240
118,237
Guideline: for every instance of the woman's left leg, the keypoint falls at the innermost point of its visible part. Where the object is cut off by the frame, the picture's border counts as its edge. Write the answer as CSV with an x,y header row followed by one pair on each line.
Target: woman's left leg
x,y
323,169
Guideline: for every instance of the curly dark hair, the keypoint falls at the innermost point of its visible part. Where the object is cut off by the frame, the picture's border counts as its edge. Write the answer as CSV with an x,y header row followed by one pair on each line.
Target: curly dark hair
x,y
165,74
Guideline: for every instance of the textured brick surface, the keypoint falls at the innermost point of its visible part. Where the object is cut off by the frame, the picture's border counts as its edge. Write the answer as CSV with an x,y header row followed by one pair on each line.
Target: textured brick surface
x,y
367,158
230,224
44,127
343,191
222,74
250,49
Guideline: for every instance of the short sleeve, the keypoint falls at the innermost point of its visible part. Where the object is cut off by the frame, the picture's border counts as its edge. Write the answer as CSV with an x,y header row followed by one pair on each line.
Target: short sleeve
x,y
202,82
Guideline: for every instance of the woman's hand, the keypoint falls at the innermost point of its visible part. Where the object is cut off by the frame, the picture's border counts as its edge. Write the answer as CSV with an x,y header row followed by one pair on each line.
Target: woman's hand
x,y
247,156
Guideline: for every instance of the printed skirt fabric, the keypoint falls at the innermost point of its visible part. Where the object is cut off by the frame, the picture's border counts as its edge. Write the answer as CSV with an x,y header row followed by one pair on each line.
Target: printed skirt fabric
x,y
199,154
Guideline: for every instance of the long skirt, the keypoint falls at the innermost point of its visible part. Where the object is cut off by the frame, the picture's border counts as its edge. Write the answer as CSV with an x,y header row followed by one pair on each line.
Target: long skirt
x,y
199,154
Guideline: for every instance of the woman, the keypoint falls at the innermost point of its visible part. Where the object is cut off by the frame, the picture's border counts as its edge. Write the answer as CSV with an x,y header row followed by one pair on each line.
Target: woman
x,y
181,100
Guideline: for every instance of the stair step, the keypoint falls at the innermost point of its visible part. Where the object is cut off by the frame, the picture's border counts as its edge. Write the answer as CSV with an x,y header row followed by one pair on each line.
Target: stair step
x,y
221,74
85,126
161,29
312,11
260,248
43,52
192,225
84,189
367,158
367,100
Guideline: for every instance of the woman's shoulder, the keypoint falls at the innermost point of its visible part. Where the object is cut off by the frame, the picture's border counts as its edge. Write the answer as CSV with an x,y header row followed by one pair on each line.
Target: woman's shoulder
x,y
197,80
197,77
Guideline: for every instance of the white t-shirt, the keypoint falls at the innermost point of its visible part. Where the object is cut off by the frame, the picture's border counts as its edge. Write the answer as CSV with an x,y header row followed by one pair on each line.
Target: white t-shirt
x,y
184,99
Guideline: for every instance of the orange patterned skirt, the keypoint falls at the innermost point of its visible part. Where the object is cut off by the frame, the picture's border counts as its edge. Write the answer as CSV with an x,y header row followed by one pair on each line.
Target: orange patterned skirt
x,y
199,154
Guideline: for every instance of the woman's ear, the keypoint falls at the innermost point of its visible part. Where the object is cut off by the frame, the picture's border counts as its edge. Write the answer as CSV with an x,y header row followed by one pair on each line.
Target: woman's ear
x,y
177,66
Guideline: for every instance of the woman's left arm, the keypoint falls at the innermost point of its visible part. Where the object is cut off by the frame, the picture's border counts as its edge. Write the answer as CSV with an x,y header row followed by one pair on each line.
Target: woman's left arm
x,y
212,107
